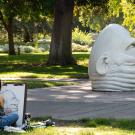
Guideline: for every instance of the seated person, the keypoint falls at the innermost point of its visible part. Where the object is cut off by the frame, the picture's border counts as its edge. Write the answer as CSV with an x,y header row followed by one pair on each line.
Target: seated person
x,y
8,116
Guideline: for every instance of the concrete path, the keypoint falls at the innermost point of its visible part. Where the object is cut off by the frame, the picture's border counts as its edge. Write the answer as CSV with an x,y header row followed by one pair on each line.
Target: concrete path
x,y
75,102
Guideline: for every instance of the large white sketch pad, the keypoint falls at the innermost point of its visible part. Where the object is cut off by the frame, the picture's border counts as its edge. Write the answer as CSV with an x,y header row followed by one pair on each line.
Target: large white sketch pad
x,y
112,60
15,95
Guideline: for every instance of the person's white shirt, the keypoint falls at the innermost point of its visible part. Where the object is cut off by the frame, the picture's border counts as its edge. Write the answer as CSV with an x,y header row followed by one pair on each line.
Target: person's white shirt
x,y
11,102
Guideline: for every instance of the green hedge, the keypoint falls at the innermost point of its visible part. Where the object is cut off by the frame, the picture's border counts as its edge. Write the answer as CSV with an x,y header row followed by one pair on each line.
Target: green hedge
x,y
82,38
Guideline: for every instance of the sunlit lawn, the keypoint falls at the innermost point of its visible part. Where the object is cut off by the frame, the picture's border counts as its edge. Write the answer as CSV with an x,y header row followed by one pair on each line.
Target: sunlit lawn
x,y
87,127
76,131
32,66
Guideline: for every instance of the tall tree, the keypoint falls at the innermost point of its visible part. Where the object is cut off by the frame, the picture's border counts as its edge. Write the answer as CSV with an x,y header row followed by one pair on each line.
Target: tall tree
x,y
6,17
22,10
60,48
9,9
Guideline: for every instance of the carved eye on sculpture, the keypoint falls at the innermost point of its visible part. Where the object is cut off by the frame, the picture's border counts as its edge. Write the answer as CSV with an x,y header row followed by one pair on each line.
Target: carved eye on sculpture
x,y
131,46
130,50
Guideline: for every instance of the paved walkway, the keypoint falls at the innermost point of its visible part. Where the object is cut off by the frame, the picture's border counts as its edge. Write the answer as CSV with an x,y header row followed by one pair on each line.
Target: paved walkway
x,y
75,102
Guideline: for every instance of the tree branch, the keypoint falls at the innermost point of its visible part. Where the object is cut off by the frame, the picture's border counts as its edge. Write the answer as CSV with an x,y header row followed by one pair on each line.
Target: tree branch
x,y
3,21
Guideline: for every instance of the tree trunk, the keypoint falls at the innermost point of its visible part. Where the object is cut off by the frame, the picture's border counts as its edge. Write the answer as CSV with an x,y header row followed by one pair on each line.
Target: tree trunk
x,y
26,35
60,47
10,36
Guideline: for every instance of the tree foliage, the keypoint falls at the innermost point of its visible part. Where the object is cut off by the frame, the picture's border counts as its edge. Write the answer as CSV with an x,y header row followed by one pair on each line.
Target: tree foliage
x,y
23,10
96,16
128,10
125,9
92,13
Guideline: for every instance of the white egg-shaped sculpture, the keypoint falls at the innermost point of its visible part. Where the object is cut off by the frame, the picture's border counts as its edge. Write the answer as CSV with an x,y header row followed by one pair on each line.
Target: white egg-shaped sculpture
x,y
112,60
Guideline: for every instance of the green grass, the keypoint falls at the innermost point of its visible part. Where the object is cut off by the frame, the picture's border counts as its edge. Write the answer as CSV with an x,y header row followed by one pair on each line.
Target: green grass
x,y
41,84
81,127
124,124
32,66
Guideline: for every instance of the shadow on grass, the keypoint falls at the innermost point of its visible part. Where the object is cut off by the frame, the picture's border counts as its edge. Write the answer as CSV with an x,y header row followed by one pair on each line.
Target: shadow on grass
x,y
23,58
125,124
31,84
35,58
76,71
33,63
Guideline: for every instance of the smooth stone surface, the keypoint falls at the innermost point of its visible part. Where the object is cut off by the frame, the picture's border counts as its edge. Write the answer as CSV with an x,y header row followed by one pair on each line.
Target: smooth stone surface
x,y
112,60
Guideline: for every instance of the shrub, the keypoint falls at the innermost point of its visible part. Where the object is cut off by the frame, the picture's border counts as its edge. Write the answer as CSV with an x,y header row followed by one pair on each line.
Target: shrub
x,y
40,36
79,48
29,44
44,41
82,38
36,50
41,49
46,47
44,44
1,50
21,48
5,48
28,49
36,45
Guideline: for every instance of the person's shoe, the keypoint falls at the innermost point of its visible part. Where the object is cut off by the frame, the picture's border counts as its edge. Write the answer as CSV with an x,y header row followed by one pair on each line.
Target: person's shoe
x,y
13,129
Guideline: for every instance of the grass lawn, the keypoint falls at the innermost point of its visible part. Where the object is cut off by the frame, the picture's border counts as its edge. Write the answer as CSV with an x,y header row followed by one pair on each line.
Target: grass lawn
x,y
41,84
86,127
32,66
